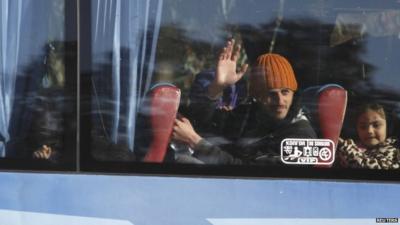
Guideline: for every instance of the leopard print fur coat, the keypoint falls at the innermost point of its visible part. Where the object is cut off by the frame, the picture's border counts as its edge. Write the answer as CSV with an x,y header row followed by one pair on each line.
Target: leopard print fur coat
x,y
383,156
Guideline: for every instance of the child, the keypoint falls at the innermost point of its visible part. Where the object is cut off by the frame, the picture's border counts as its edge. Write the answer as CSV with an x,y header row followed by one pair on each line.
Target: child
x,y
373,150
47,129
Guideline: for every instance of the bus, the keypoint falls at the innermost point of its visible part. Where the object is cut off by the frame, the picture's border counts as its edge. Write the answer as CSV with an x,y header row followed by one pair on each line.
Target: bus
x,y
98,98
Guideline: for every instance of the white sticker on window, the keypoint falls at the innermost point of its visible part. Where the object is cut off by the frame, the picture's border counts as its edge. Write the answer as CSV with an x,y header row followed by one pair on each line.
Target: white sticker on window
x,y
307,151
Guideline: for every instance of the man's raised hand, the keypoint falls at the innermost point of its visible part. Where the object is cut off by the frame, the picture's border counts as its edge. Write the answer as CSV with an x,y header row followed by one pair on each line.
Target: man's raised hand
x,y
227,73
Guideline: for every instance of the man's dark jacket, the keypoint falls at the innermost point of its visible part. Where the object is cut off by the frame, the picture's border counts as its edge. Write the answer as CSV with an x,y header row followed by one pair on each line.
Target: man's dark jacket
x,y
245,135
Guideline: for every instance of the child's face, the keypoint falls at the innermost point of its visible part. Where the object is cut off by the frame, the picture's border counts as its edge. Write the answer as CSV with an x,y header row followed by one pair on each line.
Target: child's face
x,y
371,128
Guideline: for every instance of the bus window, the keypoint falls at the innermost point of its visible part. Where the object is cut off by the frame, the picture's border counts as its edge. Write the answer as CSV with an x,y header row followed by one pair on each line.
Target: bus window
x,y
37,61
262,86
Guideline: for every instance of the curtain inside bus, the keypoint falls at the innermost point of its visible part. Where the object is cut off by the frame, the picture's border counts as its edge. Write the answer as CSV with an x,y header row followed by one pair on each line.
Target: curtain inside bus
x,y
26,30
10,22
124,40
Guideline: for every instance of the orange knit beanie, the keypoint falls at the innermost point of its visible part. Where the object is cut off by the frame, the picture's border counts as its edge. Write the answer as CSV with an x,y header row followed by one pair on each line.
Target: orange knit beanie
x,y
272,71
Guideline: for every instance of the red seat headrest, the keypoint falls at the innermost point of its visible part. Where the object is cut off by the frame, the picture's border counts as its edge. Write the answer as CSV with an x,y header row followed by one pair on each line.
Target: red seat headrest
x,y
332,103
164,102
327,107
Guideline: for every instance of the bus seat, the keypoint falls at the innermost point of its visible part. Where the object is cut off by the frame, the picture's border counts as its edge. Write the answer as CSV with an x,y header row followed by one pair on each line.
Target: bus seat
x,y
326,105
163,106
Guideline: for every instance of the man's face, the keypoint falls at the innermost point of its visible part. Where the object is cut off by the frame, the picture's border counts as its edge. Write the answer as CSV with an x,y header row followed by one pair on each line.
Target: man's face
x,y
277,102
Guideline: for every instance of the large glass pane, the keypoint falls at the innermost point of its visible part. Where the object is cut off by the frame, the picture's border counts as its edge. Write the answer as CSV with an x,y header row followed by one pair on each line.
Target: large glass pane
x,y
320,73
37,52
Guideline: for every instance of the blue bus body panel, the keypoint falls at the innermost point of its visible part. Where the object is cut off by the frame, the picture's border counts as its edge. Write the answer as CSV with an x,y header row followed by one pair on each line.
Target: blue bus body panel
x,y
143,200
